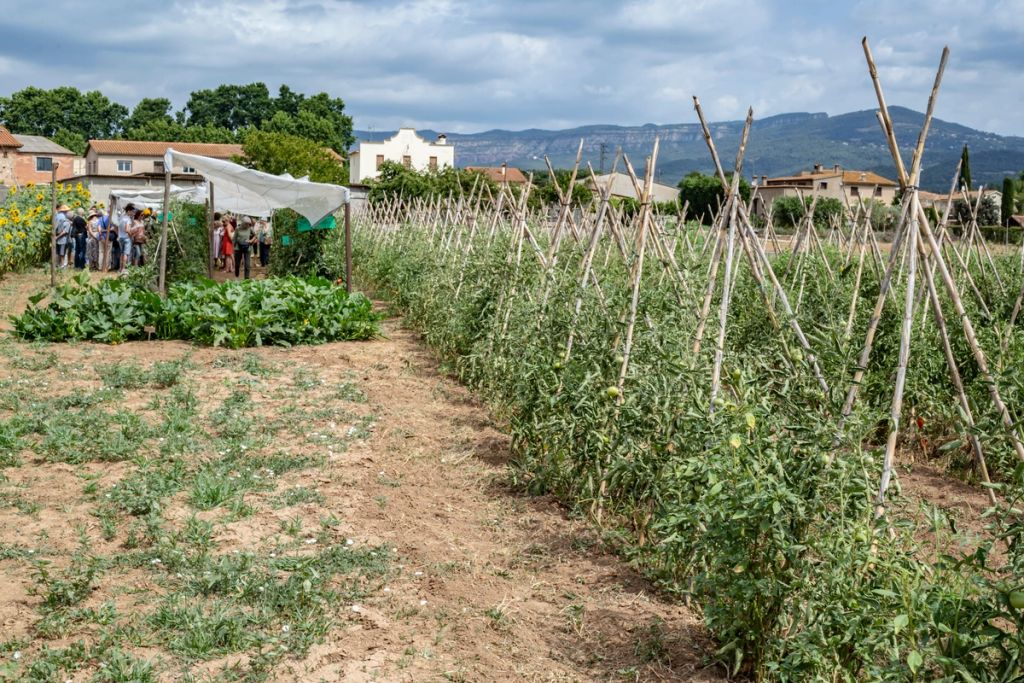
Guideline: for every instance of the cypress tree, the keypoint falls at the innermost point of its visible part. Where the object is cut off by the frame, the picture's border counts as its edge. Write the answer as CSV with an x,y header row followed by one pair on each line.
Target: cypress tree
x,y
1009,199
965,170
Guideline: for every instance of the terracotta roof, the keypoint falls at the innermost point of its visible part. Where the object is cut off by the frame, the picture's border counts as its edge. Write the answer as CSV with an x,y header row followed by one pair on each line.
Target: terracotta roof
x,y
512,174
8,140
849,178
139,148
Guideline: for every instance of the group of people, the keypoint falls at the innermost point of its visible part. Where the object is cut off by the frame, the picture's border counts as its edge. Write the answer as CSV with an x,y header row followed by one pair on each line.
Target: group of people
x,y
99,241
235,240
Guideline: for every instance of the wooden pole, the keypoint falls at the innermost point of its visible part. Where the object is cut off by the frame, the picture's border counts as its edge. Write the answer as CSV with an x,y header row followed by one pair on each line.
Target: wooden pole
x,y
53,224
210,228
162,284
348,247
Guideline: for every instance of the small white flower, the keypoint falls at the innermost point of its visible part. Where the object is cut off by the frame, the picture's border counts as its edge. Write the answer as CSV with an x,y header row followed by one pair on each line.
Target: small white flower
x,y
387,590
310,541
417,573
357,608
273,554
286,628
422,602
17,654
155,560
349,541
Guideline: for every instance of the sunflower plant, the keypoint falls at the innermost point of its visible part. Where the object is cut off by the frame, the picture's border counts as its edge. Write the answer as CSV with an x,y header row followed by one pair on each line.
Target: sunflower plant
x,y
25,219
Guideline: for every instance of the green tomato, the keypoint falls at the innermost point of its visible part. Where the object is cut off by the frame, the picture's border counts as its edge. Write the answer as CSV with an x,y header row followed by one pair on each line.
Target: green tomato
x,y
612,392
619,360
1017,599
736,375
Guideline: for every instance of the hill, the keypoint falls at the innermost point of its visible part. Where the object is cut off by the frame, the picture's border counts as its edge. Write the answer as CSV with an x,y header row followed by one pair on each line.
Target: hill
x,y
779,145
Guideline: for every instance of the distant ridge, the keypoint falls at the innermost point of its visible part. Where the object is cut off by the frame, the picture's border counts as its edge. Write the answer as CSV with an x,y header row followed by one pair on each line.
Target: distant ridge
x,y
779,145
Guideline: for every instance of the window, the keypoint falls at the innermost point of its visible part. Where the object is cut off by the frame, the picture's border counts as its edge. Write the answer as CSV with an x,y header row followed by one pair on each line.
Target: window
x,y
187,169
158,167
91,168
433,163
823,185
855,191
380,161
407,161
44,164
124,165
878,192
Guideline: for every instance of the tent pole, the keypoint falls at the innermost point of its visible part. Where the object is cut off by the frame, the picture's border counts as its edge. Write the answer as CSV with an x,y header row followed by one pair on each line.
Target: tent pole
x,y
348,247
162,284
210,227
53,224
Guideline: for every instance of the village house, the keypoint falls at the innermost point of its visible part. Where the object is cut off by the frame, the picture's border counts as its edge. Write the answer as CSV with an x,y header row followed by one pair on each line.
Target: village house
x,y
404,147
622,187
30,159
939,201
501,174
847,186
135,164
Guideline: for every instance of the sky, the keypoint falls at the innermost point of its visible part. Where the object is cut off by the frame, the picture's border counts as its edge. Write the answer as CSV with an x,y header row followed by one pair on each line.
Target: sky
x,y
468,66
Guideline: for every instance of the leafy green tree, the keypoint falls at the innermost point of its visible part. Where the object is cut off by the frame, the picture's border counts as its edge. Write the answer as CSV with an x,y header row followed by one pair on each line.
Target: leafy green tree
x,y
230,106
174,131
705,193
988,211
72,140
397,180
149,111
35,111
548,194
1009,199
790,211
279,153
965,169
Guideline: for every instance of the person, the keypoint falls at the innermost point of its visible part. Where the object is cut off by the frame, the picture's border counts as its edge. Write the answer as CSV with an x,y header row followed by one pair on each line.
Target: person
x,y
245,238
92,251
264,235
218,240
79,234
227,244
124,240
105,237
62,235
138,234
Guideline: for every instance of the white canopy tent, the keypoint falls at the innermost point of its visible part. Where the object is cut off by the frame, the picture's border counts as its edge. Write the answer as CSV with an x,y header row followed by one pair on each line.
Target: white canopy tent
x,y
154,199
255,193
242,190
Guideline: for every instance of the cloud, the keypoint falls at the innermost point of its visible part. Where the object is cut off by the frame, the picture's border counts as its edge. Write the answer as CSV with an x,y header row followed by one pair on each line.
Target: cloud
x,y
467,65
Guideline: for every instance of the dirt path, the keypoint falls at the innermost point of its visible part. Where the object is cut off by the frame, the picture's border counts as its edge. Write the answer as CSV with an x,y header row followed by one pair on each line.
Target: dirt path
x,y
486,584
496,586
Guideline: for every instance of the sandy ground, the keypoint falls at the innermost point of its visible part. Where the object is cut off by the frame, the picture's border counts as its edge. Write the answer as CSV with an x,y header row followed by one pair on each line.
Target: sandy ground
x,y
489,584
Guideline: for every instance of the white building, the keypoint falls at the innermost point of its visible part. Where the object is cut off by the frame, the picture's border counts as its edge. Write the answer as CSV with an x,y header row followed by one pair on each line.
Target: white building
x,y
406,148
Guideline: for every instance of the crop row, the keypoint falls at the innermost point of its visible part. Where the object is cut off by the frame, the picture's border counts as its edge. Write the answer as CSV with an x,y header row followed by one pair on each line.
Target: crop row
x,y
748,503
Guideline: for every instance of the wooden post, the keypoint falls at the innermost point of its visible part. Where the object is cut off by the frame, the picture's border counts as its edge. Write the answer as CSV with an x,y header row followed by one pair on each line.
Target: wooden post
x,y
348,247
210,229
162,284
53,224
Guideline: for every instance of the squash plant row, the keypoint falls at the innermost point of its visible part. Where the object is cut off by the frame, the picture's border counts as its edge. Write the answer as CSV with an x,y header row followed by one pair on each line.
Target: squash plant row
x,y
749,504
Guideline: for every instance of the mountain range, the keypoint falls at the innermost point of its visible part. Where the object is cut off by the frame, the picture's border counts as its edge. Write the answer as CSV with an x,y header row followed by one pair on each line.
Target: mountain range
x,y
779,145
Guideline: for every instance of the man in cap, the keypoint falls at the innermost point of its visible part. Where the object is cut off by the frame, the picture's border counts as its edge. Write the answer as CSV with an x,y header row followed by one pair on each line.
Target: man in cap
x,y
124,240
62,235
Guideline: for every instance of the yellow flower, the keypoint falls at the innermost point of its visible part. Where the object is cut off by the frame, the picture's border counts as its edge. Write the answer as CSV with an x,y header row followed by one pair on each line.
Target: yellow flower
x,y
7,236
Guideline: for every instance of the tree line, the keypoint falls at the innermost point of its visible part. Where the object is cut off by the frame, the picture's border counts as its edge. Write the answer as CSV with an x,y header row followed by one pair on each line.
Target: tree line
x,y
227,113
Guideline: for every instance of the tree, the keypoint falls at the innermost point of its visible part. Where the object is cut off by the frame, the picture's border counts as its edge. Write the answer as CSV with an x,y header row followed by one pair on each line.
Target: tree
x,y
705,193
396,180
35,111
1009,199
149,111
279,153
173,131
988,211
546,192
965,170
790,211
71,140
230,106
